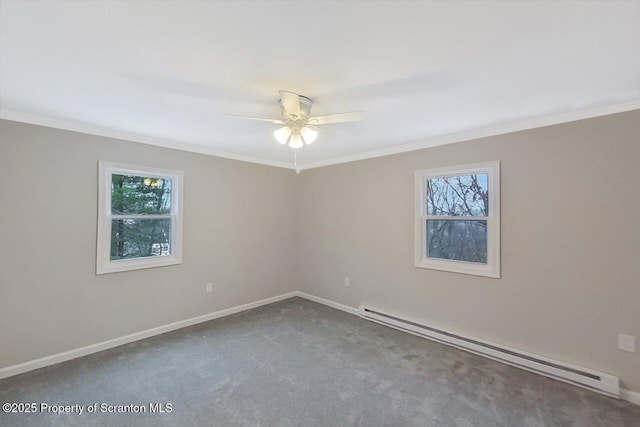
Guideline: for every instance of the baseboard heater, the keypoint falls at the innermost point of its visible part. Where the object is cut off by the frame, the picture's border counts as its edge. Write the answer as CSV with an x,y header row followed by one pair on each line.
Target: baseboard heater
x,y
597,381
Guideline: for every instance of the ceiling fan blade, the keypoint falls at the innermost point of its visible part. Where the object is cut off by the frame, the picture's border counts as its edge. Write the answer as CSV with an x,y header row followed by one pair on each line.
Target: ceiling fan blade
x,y
290,103
274,121
337,118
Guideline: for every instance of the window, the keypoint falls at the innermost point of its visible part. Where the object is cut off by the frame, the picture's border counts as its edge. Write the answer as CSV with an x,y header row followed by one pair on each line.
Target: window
x,y
139,218
458,219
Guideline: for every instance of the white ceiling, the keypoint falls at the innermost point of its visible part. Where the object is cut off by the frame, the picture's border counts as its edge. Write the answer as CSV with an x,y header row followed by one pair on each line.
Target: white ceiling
x,y
165,72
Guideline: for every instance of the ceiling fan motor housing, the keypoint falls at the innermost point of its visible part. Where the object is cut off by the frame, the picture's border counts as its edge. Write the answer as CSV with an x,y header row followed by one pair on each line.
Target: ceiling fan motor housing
x,y
305,109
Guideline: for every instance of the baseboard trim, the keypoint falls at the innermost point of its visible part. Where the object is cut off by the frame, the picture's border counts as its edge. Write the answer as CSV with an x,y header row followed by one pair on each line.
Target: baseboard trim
x,y
136,336
628,395
333,304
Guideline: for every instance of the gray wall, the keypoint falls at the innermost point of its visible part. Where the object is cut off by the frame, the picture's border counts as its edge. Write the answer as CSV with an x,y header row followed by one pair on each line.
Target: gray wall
x,y
237,234
570,242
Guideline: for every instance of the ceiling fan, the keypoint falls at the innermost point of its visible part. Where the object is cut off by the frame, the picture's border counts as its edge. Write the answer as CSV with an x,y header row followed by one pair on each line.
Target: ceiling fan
x,y
299,126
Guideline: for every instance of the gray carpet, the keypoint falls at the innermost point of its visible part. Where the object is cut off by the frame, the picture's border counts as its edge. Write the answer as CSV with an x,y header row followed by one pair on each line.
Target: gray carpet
x,y
298,363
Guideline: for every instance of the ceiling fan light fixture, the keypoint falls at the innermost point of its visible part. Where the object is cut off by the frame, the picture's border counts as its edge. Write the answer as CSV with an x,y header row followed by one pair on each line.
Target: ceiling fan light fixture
x,y
296,141
308,134
282,134
298,126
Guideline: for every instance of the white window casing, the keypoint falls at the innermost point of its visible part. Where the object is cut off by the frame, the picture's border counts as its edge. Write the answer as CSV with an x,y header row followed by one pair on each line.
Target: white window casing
x,y
492,266
104,263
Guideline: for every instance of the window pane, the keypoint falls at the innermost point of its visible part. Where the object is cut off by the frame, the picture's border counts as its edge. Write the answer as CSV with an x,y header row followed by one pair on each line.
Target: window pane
x,y
139,238
466,195
131,194
458,240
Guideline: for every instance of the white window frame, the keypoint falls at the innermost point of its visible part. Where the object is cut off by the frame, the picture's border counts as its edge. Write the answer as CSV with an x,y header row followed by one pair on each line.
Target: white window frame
x,y
104,264
492,267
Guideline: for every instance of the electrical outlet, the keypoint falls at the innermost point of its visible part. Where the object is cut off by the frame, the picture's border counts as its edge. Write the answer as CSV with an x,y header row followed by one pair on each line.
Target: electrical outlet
x,y
346,281
627,343
209,287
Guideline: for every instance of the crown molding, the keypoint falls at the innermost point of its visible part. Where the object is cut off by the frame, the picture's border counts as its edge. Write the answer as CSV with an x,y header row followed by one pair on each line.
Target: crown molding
x,y
74,126
535,122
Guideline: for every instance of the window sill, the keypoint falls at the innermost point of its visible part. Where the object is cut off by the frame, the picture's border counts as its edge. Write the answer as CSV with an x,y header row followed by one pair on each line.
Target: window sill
x,y
483,270
135,264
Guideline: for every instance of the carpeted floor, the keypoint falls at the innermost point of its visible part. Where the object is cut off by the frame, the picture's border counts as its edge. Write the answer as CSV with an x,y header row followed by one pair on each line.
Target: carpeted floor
x,y
298,363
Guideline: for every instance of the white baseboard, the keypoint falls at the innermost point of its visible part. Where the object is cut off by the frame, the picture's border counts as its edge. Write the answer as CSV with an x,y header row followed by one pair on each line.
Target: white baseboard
x,y
94,348
333,304
628,395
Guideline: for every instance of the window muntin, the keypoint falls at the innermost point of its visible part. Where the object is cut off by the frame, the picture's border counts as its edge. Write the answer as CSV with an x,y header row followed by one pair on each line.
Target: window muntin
x,y
139,218
457,219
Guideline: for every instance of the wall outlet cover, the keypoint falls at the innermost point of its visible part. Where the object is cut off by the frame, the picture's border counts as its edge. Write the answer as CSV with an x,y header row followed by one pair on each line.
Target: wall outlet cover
x,y
627,342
